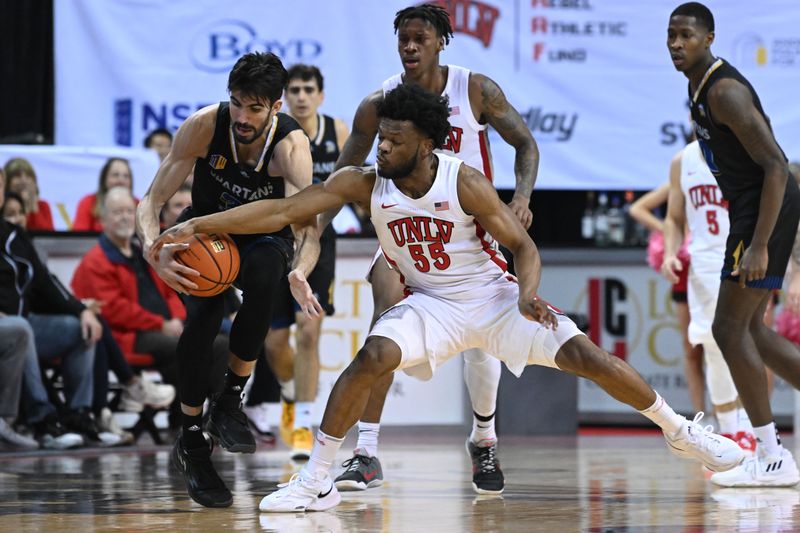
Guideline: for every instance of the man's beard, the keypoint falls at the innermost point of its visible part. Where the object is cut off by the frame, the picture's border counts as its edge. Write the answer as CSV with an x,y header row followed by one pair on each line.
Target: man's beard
x,y
251,139
402,171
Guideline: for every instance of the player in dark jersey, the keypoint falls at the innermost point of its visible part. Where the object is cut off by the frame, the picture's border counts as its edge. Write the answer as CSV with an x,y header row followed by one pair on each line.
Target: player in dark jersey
x,y
242,151
304,94
764,208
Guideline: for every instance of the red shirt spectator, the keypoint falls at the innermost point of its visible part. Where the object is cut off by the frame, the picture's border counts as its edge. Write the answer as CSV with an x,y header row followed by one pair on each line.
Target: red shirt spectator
x,y
116,172
21,179
42,219
106,275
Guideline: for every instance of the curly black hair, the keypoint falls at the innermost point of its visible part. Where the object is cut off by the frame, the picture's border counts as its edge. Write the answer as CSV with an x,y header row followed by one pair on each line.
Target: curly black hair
x,y
436,15
427,111
260,75
702,15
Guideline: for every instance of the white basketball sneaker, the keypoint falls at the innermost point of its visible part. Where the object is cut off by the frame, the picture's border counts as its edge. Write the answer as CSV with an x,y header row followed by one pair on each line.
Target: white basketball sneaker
x,y
716,452
761,471
303,492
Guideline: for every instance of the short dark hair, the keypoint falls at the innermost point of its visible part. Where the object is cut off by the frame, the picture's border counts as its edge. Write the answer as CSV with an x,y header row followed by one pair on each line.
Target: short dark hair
x,y
260,75
11,195
437,16
427,111
158,131
697,10
305,73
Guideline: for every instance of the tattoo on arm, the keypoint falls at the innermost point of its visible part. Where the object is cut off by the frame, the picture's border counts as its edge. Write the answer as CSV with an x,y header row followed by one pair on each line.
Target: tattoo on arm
x,y
509,124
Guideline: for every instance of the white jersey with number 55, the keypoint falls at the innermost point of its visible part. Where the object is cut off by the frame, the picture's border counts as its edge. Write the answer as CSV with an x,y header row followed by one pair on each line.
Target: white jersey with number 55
x,y
438,249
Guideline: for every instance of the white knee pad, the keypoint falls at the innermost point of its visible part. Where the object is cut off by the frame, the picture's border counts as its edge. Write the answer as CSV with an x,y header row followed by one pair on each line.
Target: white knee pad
x,y
718,376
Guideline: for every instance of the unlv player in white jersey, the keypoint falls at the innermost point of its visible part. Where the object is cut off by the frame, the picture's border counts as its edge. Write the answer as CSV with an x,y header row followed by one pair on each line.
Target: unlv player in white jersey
x,y
461,296
695,202
476,102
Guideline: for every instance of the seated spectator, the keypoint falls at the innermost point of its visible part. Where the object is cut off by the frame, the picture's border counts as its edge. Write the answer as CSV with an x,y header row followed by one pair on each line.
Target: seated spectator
x,y
175,206
16,341
116,172
137,391
14,210
21,179
160,140
63,328
145,315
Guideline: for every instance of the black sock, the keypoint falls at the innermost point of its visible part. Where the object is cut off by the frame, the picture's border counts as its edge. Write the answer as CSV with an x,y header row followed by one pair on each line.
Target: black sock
x,y
234,384
192,431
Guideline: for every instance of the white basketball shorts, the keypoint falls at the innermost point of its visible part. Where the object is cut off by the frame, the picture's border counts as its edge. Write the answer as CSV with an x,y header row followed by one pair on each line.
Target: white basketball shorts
x,y
430,330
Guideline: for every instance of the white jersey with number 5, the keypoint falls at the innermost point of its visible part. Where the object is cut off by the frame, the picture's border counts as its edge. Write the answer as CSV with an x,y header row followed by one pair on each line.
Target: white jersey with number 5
x,y
438,249
706,211
468,138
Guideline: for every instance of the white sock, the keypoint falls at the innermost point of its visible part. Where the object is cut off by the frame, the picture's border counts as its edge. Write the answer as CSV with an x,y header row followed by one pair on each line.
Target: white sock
x,y
323,454
482,429
743,421
728,421
368,437
663,416
769,444
287,390
302,415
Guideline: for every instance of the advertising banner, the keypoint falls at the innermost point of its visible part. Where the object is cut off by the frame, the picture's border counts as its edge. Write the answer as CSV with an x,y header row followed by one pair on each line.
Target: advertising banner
x,y
592,79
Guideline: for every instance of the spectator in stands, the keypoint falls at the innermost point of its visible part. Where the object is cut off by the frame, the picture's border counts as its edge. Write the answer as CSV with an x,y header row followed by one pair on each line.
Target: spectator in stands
x,y
145,315
16,343
175,205
14,209
21,179
116,172
63,328
160,140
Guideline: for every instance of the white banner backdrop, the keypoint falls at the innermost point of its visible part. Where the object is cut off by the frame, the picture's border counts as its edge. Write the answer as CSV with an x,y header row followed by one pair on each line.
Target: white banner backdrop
x,y
66,174
592,78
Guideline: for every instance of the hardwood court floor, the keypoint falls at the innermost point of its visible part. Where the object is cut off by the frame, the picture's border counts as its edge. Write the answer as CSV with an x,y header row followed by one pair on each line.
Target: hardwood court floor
x,y
587,483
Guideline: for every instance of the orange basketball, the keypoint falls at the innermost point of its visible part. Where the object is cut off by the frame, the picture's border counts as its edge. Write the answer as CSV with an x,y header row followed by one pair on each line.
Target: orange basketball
x,y
215,257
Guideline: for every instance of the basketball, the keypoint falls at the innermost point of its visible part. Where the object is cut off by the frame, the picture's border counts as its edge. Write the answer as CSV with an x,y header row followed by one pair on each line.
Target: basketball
x,y
215,257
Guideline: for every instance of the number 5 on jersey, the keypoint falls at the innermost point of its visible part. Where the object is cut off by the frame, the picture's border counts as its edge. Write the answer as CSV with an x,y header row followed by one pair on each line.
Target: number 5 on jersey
x,y
435,250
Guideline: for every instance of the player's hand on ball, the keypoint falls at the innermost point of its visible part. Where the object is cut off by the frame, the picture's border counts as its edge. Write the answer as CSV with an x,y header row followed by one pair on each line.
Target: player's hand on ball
x,y
303,294
670,268
161,254
177,233
538,311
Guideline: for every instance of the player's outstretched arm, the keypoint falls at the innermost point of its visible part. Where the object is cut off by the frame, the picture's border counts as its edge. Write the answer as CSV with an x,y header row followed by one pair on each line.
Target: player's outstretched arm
x,y
732,105
351,184
479,199
494,108
675,222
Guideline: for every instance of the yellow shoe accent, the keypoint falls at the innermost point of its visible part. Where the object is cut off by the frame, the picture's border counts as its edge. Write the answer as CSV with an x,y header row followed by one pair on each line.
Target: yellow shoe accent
x,y
287,422
302,441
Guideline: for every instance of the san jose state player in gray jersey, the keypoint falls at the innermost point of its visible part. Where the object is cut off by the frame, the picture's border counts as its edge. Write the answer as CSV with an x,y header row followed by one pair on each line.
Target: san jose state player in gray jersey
x,y
764,208
242,151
